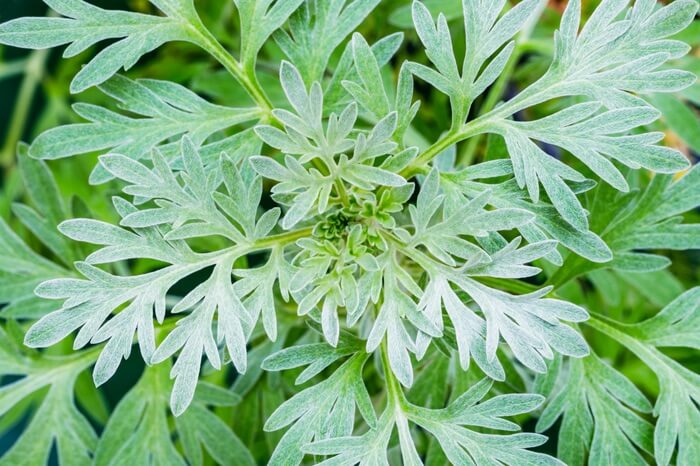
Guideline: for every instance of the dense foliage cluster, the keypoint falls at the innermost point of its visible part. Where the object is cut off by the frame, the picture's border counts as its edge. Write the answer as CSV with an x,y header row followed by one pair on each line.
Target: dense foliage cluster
x,y
426,287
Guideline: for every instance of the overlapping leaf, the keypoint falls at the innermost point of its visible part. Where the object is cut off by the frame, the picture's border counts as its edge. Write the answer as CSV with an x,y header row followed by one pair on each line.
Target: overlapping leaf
x,y
601,421
310,43
85,25
169,110
57,420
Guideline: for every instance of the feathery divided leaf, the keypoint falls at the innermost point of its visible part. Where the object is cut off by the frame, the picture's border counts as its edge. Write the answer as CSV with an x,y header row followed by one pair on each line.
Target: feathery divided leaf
x,y
85,25
324,203
169,109
57,419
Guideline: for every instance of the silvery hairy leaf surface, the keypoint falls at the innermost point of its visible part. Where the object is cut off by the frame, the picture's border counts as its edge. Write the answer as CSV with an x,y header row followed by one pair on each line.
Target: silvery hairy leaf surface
x,y
342,232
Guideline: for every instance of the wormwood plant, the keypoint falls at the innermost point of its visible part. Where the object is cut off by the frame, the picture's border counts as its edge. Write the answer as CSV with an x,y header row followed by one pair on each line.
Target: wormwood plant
x,y
320,231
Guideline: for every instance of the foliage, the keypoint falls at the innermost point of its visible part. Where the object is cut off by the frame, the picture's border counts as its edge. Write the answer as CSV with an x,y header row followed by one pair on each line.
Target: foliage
x,y
318,268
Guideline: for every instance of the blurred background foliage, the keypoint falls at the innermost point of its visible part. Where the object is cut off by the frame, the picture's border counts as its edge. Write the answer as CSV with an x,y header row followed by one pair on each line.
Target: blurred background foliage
x,y
34,96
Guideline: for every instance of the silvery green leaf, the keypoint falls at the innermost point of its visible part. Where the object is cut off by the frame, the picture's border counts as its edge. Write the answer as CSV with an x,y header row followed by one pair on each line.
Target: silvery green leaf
x,y
85,25
676,407
366,176
88,304
530,324
547,223
370,93
138,431
319,411
533,166
244,190
370,448
485,34
317,29
120,244
57,418
600,415
317,356
675,325
469,328
256,287
186,200
450,426
259,19
167,110
677,412
383,50
440,225
511,261
397,313
308,189
628,49
593,139
194,334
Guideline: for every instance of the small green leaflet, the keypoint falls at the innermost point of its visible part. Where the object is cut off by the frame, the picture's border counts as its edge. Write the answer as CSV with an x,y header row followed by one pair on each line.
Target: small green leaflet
x,y
259,19
369,91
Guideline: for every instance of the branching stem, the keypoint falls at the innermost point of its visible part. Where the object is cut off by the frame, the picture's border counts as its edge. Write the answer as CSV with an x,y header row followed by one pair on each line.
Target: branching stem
x,y
207,41
470,129
282,238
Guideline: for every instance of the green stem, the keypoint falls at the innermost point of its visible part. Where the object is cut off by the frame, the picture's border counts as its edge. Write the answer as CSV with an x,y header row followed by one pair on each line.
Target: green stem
x,y
249,82
251,85
80,360
545,87
33,74
282,238
494,96
470,129
496,93
12,68
667,370
395,397
611,328
342,192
